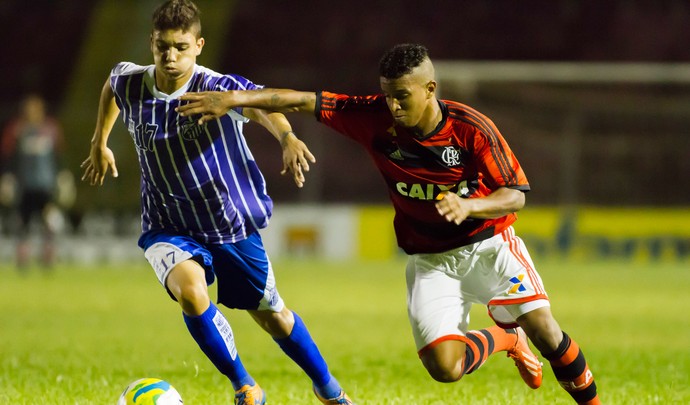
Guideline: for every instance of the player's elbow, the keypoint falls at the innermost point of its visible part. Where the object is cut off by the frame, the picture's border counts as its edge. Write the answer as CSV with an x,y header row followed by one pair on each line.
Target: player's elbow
x,y
519,200
511,199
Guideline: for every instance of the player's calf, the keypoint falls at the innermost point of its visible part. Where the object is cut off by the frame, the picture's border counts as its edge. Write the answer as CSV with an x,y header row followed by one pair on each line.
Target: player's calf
x,y
572,372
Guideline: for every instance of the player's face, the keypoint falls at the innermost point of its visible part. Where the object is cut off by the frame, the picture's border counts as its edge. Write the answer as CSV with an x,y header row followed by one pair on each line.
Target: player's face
x,y
174,53
407,98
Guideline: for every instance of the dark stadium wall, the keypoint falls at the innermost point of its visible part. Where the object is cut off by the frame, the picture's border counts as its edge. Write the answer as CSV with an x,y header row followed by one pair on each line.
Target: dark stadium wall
x,y
336,45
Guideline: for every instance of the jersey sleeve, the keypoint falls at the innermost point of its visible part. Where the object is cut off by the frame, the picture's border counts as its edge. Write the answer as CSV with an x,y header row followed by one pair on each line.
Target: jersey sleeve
x,y
497,161
236,82
214,81
352,116
117,79
123,68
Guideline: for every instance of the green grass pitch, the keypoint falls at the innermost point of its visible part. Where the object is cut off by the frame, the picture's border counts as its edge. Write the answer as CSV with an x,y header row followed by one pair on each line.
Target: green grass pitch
x,y
80,335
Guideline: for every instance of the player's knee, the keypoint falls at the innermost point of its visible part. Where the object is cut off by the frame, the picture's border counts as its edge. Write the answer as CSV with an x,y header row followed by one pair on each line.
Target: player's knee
x,y
445,375
547,340
277,324
186,282
443,371
543,330
193,298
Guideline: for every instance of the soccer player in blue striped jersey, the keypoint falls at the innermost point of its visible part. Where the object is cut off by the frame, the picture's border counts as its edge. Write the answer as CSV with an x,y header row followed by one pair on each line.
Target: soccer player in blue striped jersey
x,y
204,199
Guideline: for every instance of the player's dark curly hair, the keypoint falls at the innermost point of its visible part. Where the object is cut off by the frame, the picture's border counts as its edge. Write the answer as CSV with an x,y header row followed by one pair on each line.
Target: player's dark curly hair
x,y
178,15
401,59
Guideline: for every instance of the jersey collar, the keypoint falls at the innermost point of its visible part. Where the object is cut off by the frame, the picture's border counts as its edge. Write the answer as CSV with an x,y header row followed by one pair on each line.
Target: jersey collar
x,y
440,125
150,80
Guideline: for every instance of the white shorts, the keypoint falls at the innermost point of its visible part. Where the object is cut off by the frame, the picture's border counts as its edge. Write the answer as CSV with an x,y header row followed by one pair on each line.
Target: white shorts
x,y
496,272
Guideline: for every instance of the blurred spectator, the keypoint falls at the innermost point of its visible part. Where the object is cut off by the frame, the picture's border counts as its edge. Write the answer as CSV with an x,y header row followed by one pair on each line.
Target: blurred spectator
x,y
31,149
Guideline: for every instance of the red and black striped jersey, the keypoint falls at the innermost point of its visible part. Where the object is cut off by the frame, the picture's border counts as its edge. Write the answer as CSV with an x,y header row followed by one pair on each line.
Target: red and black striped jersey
x,y
465,154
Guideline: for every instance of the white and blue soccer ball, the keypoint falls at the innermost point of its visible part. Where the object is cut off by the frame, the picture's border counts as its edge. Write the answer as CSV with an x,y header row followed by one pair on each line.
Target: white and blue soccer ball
x,y
150,391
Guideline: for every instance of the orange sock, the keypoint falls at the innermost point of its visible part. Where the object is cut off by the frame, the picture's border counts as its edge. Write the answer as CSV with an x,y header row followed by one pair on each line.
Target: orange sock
x,y
480,344
572,372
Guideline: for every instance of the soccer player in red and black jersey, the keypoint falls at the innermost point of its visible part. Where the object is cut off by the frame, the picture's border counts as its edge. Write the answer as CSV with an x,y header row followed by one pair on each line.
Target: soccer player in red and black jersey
x,y
455,185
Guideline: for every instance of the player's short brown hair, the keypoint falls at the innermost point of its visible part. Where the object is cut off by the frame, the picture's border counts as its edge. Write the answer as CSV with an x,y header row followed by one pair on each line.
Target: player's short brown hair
x,y
401,60
178,15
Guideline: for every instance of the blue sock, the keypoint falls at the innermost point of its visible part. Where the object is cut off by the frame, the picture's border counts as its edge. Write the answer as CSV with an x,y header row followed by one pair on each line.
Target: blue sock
x,y
213,334
300,347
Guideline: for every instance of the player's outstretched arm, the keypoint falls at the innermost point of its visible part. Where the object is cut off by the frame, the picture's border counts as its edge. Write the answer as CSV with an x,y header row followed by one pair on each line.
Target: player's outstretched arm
x,y
214,104
296,155
100,157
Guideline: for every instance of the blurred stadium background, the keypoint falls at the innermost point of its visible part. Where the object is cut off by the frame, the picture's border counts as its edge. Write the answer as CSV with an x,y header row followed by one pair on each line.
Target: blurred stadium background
x,y
593,96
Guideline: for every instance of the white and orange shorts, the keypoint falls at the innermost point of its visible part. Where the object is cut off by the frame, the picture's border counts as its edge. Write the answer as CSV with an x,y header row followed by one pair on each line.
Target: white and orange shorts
x,y
441,287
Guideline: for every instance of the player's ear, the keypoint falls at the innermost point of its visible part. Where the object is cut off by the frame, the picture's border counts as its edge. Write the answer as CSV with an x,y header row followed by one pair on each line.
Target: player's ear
x,y
200,45
431,88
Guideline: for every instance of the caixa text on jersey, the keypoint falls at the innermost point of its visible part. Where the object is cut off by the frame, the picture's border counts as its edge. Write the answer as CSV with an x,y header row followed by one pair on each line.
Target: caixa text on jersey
x,y
431,191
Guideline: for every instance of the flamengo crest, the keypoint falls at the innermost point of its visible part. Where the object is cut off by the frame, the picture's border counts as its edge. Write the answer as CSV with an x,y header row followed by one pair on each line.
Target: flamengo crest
x,y
451,156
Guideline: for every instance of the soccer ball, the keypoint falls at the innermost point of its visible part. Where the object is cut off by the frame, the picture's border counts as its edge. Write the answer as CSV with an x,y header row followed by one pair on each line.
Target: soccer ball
x,y
150,391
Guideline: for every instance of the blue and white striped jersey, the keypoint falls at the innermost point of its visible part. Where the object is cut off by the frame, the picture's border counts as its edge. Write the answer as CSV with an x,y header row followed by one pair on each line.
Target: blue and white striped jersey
x,y
200,181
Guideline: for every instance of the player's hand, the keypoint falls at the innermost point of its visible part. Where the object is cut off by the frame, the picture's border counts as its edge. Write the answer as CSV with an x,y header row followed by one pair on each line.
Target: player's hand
x,y
96,166
209,104
296,158
452,207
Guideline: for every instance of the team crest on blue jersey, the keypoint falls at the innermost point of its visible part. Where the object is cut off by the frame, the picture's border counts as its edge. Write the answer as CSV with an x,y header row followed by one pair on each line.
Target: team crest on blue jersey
x,y
191,130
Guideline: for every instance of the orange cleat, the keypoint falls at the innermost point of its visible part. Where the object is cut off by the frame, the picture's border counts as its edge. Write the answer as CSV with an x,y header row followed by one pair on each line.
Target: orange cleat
x,y
527,362
250,395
